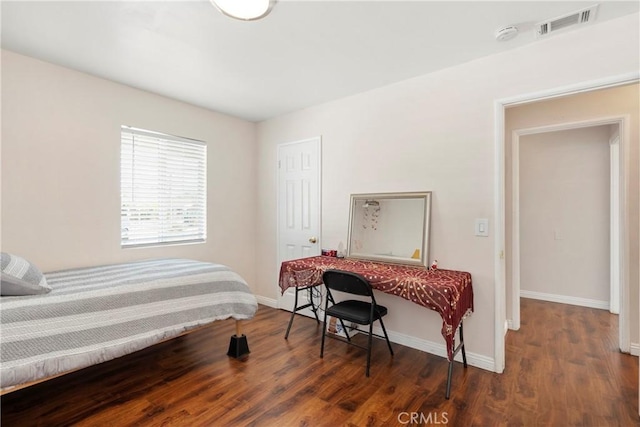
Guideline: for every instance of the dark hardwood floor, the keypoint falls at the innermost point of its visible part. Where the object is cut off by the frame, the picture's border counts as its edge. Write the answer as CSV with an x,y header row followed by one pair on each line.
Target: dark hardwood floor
x,y
563,369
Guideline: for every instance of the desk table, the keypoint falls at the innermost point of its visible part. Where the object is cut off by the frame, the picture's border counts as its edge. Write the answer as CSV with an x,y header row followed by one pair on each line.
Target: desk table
x,y
447,292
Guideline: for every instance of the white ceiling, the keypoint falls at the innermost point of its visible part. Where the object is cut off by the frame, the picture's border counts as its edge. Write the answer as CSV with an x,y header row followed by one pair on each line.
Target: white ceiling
x,y
304,53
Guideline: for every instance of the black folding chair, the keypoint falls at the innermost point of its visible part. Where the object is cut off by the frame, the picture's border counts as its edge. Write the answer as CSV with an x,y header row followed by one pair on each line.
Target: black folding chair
x,y
355,311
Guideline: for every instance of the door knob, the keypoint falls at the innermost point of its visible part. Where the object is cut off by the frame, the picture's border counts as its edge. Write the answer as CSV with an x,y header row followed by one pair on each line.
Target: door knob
x,y
312,240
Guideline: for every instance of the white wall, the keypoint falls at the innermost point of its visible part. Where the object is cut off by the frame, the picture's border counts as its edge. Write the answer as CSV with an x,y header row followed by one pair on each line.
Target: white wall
x,y
61,169
434,132
564,213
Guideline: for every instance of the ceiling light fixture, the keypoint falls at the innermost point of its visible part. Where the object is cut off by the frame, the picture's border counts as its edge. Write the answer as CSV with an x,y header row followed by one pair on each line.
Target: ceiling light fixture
x,y
245,10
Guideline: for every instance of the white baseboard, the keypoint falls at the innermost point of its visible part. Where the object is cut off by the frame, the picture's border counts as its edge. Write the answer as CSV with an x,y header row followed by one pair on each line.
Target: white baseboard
x,y
563,299
269,302
439,349
634,349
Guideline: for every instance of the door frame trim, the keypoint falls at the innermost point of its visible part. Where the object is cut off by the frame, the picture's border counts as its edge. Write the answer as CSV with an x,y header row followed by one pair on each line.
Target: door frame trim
x,y
615,206
500,318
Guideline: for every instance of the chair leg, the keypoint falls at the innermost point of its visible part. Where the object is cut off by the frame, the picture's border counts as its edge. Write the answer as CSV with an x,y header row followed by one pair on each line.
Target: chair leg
x,y
344,328
324,327
369,347
386,336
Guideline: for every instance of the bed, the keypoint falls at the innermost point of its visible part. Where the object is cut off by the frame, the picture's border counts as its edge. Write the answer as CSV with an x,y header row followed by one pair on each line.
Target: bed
x,y
92,315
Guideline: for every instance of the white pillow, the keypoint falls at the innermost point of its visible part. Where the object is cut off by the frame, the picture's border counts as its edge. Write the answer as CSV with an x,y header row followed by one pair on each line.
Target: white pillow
x,y
20,277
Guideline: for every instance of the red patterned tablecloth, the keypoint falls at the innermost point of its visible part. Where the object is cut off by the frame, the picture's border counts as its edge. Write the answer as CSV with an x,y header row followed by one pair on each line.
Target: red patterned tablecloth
x,y
448,292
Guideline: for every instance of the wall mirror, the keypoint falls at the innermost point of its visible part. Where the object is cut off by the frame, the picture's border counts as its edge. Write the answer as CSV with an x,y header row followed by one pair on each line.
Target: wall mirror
x,y
390,227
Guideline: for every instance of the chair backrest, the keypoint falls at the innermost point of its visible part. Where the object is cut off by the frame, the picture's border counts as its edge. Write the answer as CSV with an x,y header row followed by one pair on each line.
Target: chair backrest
x,y
346,281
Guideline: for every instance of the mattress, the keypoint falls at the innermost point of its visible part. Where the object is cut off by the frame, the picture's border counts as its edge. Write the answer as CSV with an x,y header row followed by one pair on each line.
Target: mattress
x,y
97,314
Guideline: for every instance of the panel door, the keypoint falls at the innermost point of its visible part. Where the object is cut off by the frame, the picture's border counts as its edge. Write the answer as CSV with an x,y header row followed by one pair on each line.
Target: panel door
x,y
299,167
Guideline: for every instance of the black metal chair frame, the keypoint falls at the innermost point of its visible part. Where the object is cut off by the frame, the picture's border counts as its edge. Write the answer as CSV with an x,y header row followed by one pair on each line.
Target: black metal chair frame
x,y
310,304
366,290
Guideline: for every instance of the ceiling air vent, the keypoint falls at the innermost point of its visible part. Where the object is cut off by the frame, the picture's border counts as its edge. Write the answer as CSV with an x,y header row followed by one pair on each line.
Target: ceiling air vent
x,y
580,17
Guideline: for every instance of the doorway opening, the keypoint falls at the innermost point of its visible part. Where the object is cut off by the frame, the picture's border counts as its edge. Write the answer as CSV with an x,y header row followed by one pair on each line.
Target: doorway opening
x,y
566,199
503,206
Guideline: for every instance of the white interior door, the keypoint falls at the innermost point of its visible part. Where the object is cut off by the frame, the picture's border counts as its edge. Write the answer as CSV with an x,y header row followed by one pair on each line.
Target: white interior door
x,y
299,171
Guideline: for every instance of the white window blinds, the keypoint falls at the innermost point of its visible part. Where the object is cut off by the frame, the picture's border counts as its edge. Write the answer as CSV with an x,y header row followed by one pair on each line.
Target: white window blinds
x,y
163,188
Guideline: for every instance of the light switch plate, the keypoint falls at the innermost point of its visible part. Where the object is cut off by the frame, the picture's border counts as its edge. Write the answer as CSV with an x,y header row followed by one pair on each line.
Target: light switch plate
x,y
482,227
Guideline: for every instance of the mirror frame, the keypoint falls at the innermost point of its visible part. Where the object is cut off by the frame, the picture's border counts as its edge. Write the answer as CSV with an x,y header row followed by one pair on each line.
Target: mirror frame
x,y
426,226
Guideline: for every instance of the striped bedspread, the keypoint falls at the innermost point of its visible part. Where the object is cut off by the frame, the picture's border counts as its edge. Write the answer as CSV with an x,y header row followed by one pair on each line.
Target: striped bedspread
x,y
97,314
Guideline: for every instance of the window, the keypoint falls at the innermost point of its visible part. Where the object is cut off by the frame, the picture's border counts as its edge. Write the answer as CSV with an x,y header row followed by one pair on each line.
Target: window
x,y
163,189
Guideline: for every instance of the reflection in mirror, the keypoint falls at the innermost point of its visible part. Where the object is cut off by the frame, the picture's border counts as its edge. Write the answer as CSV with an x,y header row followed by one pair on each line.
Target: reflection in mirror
x,y
390,227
